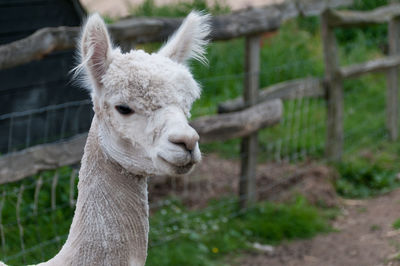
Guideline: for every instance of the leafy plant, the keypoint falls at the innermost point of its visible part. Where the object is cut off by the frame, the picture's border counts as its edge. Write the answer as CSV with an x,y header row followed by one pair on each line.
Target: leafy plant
x,y
396,224
363,180
375,34
206,236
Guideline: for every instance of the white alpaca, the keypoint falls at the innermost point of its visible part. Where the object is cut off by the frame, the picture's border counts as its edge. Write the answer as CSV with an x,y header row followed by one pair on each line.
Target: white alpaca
x,y
140,128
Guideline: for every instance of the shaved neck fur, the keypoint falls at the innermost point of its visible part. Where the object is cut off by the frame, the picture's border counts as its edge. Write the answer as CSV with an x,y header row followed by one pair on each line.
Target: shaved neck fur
x,y
110,226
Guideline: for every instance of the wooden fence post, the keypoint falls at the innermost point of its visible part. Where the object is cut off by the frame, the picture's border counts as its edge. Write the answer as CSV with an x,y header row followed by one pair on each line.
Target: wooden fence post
x,y
334,134
249,144
392,94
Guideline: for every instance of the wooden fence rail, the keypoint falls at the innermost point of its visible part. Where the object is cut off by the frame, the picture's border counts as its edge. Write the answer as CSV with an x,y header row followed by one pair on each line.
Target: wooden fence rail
x,y
381,64
334,74
336,18
293,89
238,124
18,165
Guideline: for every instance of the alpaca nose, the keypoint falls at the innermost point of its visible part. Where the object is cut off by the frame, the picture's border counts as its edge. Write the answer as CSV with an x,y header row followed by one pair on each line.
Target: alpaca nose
x,y
187,140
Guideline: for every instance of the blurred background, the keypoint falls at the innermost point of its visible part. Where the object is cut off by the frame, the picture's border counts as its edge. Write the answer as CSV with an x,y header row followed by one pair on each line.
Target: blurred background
x,y
121,8
320,187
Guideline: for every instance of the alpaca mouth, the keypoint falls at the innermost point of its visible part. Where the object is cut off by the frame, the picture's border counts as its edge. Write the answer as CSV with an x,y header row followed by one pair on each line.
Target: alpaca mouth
x,y
178,168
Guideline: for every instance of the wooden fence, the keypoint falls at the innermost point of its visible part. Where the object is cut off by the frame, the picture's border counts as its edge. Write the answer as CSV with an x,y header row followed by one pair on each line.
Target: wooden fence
x,y
334,74
248,114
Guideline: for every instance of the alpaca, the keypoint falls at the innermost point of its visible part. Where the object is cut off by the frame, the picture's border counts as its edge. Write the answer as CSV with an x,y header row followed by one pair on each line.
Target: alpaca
x,y
140,128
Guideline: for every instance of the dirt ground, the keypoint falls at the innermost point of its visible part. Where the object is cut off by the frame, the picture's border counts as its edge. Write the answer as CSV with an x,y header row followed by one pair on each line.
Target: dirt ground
x,y
216,177
363,235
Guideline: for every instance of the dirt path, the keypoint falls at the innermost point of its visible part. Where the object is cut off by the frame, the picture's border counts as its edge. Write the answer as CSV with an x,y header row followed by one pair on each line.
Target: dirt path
x,y
365,237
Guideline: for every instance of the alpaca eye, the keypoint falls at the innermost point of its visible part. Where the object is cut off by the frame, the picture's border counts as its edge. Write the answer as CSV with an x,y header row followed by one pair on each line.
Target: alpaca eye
x,y
123,109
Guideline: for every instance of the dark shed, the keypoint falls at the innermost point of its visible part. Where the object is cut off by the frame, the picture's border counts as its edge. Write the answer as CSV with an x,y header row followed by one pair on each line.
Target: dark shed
x,y
38,102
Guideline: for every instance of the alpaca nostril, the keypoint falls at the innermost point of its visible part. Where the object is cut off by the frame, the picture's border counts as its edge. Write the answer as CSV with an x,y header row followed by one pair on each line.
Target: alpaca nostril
x,y
187,141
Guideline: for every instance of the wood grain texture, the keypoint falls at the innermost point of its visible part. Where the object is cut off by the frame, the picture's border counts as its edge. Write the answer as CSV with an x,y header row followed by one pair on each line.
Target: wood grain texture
x,y
293,89
238,124
249,144
334,131
37,45
392,94
376,65
340,18
18,165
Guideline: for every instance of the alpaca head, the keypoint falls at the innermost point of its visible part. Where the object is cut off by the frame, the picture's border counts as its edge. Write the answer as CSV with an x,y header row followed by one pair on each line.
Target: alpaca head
x,y
142,101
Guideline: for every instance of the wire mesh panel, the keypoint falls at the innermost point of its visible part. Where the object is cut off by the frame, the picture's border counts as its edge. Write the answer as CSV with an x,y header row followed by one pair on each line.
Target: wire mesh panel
x,y
20,130
35,216
48,199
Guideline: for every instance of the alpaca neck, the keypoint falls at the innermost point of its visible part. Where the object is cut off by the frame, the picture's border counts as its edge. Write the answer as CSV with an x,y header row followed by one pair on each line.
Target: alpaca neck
x,y
110,225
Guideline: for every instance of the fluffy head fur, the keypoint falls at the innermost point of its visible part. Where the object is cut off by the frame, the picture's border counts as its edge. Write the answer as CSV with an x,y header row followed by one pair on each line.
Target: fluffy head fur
x,y
159,88
189,41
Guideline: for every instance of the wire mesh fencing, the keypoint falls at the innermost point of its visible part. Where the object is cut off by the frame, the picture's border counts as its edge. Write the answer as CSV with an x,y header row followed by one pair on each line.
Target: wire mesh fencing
x,y
20,130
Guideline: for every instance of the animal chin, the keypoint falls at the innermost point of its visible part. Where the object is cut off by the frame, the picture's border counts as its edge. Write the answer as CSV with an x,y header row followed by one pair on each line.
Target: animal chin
x,y
177,169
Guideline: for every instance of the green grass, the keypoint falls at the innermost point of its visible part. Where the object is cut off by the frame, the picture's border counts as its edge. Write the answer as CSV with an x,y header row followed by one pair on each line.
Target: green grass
x,y
361,180
396,224
211,235
39,222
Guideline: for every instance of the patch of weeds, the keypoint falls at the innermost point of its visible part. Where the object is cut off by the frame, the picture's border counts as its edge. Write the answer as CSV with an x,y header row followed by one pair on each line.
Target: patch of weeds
x,y
396,224
377,33
42,222
375,227
206,236
108,19
310,24
360,180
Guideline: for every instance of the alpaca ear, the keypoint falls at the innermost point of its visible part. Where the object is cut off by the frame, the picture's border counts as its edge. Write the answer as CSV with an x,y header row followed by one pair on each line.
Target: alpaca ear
x,y
189,40
95,49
